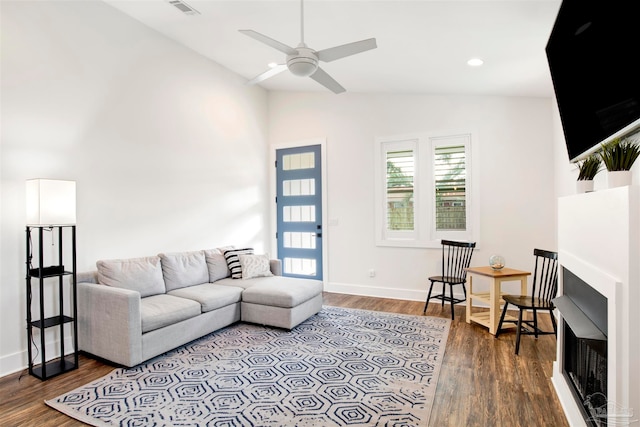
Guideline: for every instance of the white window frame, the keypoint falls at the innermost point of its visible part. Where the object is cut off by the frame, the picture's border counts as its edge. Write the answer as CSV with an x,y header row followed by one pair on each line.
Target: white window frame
x,y
424,234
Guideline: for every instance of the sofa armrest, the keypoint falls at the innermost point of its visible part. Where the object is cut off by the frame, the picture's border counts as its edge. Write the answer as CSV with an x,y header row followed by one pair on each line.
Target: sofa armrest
x,y
275,265
109,323
86,277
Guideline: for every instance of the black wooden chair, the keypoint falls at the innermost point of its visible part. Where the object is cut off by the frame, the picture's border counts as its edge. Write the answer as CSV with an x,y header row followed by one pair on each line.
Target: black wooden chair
x,y
543,290
456,257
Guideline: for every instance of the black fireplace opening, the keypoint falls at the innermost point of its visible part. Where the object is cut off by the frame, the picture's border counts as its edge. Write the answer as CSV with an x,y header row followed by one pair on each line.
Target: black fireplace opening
x,y
584,364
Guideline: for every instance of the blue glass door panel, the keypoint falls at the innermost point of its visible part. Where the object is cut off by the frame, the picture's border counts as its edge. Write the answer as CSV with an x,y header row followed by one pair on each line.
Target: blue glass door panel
x,y
299,211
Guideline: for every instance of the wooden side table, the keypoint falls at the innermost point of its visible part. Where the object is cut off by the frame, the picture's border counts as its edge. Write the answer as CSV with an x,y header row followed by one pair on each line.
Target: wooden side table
x,y
493,298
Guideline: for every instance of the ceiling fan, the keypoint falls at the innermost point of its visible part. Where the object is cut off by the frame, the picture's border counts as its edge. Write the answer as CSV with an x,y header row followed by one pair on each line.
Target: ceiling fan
x,y
303,61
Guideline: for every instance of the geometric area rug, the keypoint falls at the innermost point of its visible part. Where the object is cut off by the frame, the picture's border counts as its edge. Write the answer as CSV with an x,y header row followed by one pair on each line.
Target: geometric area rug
x,y
341,367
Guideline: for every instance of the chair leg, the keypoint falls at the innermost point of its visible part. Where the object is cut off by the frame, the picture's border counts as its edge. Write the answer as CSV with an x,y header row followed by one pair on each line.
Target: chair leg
x,y
428,298
535,323
504,312
518,331
451,293
553,322
444,292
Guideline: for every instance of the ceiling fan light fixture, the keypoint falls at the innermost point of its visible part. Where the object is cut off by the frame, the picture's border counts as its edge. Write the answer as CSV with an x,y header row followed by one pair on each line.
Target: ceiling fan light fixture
x,y
304,63
302,67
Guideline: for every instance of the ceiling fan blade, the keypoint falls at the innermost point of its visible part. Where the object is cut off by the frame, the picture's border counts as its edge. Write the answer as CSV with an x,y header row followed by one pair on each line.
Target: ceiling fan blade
x,y
269,73
333,53
270,42
327,81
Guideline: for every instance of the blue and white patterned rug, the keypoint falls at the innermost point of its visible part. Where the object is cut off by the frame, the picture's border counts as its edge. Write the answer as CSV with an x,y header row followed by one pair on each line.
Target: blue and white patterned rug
x,y
342,367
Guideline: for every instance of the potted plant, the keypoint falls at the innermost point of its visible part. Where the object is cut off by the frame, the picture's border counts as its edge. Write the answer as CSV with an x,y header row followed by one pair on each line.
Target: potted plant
x,y
618,155
587,170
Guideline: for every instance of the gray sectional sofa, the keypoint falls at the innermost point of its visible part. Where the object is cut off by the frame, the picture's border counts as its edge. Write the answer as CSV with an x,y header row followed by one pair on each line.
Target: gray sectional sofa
x,y
131,310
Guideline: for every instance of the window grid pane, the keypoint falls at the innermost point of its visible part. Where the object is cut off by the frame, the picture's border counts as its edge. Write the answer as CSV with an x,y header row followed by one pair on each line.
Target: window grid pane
x,y
299,187
299,240
298,161
400,189
450,187
299,213
302,266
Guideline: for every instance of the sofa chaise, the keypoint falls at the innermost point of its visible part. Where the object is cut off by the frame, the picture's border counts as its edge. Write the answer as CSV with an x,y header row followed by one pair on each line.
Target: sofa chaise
x,y
131,310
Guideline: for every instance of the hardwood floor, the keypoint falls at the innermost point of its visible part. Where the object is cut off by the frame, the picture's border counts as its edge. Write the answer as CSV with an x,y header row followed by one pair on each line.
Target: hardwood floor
x,y
482,382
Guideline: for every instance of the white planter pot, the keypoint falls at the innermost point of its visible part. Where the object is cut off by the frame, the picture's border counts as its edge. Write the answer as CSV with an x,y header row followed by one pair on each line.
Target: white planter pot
x,y
584,186
618,178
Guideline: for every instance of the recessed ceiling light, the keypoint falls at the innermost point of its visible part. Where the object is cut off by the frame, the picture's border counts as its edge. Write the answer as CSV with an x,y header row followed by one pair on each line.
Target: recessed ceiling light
x,y
273,64
475,62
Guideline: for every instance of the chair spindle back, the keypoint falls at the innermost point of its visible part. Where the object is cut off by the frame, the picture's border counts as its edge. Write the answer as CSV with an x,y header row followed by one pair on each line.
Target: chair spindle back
x,y
545,276
456,258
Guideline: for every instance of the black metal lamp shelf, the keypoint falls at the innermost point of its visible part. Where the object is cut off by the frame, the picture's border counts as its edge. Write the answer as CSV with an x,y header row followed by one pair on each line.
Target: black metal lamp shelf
x,y
66,313
54,367
51,321
53,271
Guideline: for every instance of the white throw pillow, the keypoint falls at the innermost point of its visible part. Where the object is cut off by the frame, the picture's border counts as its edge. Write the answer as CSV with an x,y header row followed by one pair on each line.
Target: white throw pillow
x,y
254,266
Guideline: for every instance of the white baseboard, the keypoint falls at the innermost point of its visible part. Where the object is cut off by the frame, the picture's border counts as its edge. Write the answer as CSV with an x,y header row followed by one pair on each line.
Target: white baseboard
x,y
392,293
13,363
19,361
368,291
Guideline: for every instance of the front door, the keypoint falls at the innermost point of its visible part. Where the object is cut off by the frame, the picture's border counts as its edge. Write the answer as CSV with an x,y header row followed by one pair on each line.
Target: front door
x,y
299,207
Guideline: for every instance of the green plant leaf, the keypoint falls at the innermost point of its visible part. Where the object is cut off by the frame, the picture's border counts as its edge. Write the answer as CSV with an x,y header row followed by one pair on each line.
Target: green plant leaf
x,y
620,154
589,167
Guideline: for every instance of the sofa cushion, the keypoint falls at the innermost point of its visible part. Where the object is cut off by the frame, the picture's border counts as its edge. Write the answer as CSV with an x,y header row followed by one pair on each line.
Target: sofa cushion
x,y
159,311
233,261
254,266
210,296
181,269
143,275
216,264
278,291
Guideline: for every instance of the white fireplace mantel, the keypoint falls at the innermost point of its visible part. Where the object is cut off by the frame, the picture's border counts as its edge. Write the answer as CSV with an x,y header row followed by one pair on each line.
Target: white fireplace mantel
x,y
599,241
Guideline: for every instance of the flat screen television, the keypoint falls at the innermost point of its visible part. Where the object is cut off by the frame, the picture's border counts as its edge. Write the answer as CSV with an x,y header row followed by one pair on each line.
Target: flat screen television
x,y
592,53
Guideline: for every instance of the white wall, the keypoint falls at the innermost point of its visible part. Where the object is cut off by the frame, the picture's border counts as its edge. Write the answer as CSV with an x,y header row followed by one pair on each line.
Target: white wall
x,y
514,156
168,149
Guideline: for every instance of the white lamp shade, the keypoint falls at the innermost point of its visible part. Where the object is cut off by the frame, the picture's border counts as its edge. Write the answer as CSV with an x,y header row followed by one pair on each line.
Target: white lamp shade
x,y
51,202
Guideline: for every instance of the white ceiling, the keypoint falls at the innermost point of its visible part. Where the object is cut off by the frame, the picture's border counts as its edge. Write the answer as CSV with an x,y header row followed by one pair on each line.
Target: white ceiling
x,y
423,45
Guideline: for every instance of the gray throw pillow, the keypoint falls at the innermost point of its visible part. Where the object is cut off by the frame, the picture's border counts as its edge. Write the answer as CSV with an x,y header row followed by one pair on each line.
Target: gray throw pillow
x,y
143,275
182,269
217,265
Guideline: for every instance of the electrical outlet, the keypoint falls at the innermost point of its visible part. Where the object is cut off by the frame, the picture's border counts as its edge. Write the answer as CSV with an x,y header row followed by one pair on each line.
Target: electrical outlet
x,y
372,273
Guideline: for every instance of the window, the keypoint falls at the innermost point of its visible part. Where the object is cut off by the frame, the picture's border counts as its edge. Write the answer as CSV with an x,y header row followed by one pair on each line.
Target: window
x,y
400,166
450,177
423,190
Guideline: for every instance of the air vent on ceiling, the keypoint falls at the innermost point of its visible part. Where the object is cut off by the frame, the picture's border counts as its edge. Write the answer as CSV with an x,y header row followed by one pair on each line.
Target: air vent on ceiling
x,y
183,7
